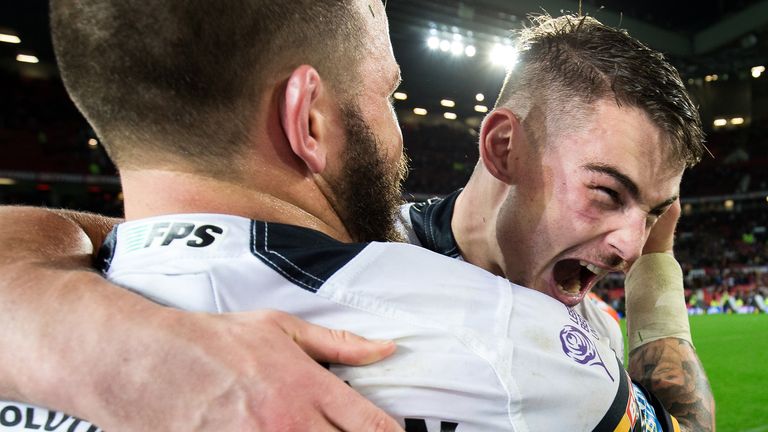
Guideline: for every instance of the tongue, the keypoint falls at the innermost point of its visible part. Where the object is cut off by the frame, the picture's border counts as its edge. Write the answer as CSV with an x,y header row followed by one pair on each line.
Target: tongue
x,y
572,286
567,274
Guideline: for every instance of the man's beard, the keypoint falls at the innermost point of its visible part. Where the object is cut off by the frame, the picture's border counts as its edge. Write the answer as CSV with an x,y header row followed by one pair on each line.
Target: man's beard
x,y
368,190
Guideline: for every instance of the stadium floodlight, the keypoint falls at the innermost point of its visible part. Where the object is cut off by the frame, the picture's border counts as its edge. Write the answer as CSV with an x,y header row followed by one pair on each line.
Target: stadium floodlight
x,y
9,38
450,116
720,122
25,58
757,71
479,97
504,55
433,42
445,45
420,111
7,181
457,37
457,48
400,96
470,51
447,103
737,121
481,108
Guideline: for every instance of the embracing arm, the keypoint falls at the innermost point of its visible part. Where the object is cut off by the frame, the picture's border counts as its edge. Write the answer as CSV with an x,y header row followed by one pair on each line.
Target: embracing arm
x,y
662,357
671,370
76,343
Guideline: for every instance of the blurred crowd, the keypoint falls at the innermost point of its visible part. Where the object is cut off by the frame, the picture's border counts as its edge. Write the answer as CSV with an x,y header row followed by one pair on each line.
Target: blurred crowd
x,y
52,154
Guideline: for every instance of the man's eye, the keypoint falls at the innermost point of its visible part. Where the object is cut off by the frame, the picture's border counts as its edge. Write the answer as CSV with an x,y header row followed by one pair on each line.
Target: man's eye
x,y
608,194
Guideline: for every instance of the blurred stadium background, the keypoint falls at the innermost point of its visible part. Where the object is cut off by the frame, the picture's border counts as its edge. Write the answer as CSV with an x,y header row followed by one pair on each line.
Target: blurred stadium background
x,y
453,56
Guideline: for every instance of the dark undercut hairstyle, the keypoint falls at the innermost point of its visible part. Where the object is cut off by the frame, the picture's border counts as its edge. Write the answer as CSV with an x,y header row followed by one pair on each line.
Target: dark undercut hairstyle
x,y
168,82
568,63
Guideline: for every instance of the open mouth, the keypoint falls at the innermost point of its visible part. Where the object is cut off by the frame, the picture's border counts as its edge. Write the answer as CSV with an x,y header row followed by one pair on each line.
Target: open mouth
x,y
574,277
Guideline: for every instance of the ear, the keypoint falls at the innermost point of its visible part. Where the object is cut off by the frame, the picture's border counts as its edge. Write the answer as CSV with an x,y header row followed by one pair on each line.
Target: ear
x,y
498,134
297,115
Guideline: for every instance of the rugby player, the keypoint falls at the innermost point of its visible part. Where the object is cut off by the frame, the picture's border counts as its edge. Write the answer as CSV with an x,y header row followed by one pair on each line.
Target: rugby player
x,y
311,145
524,218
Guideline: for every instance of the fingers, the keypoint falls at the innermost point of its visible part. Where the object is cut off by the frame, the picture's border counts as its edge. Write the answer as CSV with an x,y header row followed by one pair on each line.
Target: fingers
x,y
333,346
662,236
341,405
349,411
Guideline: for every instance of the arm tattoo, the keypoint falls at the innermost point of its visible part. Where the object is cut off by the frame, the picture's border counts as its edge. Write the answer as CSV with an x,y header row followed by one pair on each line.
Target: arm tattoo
x,y
670,369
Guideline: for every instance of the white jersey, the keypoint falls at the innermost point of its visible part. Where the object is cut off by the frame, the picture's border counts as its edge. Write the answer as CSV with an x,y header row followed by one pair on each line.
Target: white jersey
x,y
475,353
428,224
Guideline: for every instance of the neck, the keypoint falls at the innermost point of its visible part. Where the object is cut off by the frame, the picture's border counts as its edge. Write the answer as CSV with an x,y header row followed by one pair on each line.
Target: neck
x,y
474,221
284,198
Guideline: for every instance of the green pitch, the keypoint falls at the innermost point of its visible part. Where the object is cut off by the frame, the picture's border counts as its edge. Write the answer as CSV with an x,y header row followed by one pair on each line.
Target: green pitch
x,y
734,351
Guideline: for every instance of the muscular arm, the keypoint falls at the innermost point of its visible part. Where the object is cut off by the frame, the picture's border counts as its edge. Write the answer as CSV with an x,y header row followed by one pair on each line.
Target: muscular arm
x,y
668,367
671,370
73,342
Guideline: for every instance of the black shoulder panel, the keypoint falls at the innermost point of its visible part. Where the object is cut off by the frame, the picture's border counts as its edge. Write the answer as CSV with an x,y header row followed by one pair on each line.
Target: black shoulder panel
x,y
431,221
303,256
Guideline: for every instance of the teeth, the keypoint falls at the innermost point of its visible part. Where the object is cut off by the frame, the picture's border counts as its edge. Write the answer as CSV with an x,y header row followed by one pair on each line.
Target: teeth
x,y
593,268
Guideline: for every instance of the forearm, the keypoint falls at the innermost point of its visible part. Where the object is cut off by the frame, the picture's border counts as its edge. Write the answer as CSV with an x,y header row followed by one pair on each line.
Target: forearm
x,y
62,328
71,341
662,357
670,369
49,299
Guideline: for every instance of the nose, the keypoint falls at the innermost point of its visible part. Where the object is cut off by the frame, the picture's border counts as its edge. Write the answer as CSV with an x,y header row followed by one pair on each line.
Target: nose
x,y
628,236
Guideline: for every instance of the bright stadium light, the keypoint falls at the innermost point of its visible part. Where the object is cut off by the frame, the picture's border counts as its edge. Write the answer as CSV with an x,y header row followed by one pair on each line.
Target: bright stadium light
x,y
479,97
447,103
9,38
720,122
93,142
420,111
457,48
737,121
450,116
24,58
504,55
433,42
400,96
445,45
470,51
757,71
481,108
457,37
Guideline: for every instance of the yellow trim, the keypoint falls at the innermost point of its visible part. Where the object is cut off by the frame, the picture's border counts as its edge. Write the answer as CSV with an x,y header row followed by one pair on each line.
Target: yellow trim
x,y
675,424
624,425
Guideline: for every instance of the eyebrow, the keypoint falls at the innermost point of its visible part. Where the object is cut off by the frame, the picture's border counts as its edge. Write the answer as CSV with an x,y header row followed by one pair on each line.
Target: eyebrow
x,y
629,185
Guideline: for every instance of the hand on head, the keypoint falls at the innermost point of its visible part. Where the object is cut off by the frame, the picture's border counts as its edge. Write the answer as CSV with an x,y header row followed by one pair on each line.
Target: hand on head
x,y
662,237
